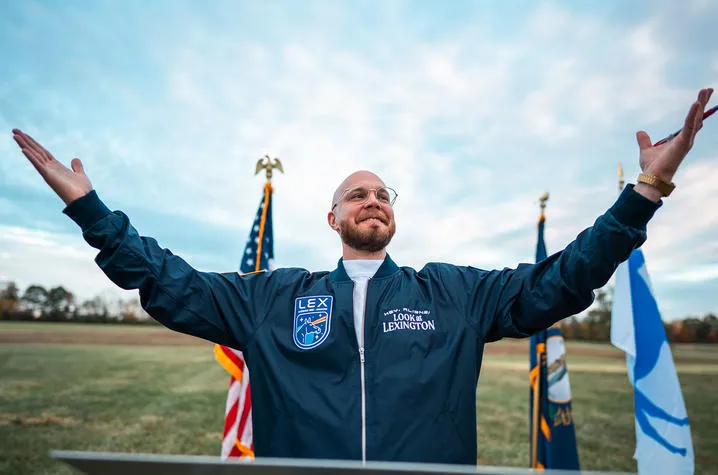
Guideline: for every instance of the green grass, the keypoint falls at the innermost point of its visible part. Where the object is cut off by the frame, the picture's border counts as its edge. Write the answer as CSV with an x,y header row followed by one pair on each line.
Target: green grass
x,y
603,412
107,398
170,399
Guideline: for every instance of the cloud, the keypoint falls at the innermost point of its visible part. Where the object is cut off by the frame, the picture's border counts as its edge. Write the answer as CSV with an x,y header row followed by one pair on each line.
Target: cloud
x,y
469,112
682,242
52,259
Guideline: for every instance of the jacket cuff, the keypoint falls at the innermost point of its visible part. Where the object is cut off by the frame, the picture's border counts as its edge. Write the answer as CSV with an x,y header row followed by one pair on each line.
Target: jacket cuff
x,y
633,209
87,210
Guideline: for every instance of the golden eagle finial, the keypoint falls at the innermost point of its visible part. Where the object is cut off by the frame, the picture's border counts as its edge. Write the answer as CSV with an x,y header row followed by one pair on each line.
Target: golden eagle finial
x,y
268,164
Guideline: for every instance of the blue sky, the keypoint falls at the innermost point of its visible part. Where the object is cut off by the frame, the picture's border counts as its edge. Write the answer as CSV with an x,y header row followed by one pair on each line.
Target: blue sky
x,y
470,111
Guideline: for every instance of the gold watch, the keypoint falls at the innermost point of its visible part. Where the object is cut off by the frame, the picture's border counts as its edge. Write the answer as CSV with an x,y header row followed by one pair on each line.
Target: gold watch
x,y
657,183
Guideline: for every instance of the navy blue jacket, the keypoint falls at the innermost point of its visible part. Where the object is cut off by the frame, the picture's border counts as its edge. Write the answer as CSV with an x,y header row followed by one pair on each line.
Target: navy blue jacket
x,y
424,333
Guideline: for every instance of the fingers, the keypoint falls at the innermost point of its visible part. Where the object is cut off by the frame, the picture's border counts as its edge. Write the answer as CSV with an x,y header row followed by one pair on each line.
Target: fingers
x,y
77,167
692,121
709,93
27,142
40,149
644,141
22,142
37,161
703,97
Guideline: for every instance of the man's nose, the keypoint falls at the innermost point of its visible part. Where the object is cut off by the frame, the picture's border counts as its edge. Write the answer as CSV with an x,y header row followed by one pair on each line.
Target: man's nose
x,y
372,201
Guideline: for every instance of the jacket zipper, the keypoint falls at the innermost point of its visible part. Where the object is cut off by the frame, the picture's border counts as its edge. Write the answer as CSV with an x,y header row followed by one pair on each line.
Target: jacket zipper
x,y
362,360
363,407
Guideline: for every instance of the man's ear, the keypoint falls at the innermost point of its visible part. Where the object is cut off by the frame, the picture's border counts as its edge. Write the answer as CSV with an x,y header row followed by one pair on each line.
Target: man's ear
x,y
332,220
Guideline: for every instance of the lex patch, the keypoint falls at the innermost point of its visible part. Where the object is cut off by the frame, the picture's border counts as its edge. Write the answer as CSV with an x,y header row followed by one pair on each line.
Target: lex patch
x,y
312,320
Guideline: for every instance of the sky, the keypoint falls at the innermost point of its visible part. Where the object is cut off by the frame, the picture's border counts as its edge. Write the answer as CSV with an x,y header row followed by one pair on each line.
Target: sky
x,y
469,110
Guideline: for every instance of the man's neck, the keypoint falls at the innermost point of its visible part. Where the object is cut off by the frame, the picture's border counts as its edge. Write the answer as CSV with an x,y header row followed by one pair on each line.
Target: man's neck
x,y
351,254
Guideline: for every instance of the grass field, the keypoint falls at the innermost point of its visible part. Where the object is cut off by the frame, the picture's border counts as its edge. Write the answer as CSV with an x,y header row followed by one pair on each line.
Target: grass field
x,y
124,394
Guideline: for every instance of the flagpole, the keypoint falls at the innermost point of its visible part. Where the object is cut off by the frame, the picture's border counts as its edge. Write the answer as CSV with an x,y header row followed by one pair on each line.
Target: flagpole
x,y
267,164
537,377
534,416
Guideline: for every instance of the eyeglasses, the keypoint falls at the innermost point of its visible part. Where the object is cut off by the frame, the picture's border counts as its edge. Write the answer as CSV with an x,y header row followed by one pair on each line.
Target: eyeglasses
x,y
360,195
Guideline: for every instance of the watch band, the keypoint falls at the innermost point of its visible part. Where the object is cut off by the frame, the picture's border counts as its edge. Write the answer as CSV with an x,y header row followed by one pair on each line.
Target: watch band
x,y
660,185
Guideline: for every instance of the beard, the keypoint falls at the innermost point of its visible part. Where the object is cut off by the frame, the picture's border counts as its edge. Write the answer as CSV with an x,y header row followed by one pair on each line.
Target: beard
x,y
370,240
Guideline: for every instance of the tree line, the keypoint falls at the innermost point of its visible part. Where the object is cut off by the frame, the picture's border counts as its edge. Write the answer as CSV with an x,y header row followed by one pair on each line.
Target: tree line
x,y
57,304
596,325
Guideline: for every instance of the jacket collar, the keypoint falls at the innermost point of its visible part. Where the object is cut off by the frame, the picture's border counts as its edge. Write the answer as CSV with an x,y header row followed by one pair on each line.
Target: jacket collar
x,y
387,268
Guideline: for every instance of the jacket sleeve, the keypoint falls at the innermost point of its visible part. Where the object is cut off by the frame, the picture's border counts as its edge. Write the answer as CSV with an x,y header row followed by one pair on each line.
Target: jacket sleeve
x,y
222,308
532,297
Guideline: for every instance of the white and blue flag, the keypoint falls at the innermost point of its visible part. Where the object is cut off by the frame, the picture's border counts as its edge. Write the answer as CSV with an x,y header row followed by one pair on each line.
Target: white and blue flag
x,y
663,436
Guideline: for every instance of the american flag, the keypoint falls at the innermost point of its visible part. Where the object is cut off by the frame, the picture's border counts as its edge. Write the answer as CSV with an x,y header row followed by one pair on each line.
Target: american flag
x,y
237,441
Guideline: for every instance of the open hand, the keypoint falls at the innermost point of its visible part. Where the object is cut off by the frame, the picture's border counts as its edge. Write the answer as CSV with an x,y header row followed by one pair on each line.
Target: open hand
x,y
663,160
69,184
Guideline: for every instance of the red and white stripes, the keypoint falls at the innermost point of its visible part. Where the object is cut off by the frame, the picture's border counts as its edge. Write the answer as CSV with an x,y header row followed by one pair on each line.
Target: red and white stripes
x,y
237,441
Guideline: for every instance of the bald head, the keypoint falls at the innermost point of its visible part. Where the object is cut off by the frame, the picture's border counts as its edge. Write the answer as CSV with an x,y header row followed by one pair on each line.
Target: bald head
x,y
361,177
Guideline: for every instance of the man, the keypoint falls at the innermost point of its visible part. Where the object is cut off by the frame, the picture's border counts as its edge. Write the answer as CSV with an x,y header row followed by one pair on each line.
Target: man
x,y
370,361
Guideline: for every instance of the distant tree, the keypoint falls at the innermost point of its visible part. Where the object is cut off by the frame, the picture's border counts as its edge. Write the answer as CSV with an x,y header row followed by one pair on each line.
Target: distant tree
x,y
669,328
10,292
94,309
711,320
566,328
676,327
689,330
35,299
59,303
697,329
132,312
571,328
9,300
702,331
599,315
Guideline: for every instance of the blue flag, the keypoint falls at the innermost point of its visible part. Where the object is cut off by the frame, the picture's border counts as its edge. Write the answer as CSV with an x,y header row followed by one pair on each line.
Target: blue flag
x,y
259,250
553,437
663,436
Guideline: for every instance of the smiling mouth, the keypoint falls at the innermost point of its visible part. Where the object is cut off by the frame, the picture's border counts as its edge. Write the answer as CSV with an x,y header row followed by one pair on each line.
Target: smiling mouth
x,y
373,218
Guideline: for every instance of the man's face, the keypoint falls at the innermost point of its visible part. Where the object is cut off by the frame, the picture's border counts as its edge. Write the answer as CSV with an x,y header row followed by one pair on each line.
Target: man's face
x,y
362,212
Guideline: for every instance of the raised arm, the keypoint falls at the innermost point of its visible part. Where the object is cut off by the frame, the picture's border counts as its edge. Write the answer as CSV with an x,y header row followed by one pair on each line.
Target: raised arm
x,y
223,308
532,297
516,302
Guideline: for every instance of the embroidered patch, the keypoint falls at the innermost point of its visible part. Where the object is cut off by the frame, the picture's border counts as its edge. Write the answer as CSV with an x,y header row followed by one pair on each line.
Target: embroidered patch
x,y
312,319
407,319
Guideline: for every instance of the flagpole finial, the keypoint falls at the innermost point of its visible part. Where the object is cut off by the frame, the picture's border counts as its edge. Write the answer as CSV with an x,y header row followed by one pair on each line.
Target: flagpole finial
x,y
543,199
620,177
268,164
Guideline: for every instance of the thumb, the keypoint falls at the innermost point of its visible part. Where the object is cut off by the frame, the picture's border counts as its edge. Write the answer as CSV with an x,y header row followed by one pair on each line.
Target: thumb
x,y
77,167
644,141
